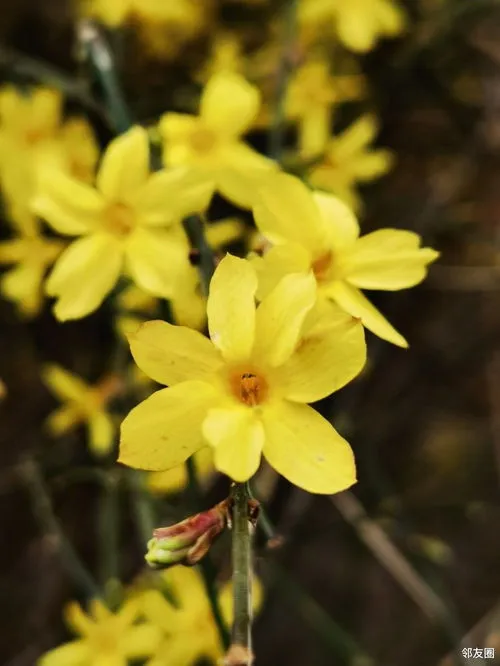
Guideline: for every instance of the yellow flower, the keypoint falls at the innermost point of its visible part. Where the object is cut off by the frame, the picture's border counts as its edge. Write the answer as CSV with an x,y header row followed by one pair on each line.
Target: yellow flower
x,y
244,393
130,222
210,144
189,629
82,403
174,480
349,160
32,254
314,231
27,123
75,151
311,96
358,23
107,639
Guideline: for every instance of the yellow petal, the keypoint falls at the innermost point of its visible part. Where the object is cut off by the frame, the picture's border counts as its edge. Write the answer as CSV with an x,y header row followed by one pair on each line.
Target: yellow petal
x,y
63,420
306,449
164,430
327,358
22,285
355,303
243,173
102,430
388,259
372,165
177,127
175,479
154,257
343,228
158,610
65,384
231,307
286,211
357,32
229,104
77,619
84,274
46,110
188,588
278,262
125,166
237,436
168,196
141,641
280,317
356,136
69,206
219,233
12,251
172,354
76,653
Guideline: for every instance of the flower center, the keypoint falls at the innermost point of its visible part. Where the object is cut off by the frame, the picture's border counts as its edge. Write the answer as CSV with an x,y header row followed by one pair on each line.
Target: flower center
x,y
119,219
322,266
249,388
203,140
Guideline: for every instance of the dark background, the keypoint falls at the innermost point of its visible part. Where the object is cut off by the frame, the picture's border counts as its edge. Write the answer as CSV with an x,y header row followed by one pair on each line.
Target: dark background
x,y
424,423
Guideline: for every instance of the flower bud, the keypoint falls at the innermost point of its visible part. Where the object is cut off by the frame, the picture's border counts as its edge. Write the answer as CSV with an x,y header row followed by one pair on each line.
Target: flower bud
x,y
188,541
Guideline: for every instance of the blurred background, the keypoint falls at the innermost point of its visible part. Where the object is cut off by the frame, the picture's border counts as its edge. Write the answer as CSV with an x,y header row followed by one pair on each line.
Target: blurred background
x,y
403,570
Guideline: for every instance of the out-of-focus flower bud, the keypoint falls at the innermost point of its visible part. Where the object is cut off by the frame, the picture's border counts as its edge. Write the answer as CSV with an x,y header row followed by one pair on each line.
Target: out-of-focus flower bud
x,y
188,541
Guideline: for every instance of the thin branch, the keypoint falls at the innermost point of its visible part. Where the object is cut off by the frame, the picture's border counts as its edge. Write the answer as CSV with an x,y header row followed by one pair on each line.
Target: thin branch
x,y
44,513
240,652
390,557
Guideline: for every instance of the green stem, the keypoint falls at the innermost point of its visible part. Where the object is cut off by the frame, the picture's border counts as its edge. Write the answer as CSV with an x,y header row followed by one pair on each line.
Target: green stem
x,y
276,137
241,634
109,529
206,565
96,49
44,513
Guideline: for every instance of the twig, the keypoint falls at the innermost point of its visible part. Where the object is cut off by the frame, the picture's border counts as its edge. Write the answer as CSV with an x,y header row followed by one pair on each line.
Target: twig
x,y
109,529
44,512
334,636
97,50
389,556
276,135
240,651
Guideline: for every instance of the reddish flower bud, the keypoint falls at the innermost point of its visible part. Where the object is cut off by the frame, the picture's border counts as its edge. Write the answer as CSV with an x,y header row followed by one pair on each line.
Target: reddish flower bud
x,y
188,541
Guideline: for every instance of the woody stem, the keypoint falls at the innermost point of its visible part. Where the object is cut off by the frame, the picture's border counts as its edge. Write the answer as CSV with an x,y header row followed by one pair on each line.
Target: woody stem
x,y
240,653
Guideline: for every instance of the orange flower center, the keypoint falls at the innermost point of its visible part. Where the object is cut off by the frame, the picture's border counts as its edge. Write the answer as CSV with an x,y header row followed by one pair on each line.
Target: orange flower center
x,y
322,266
249,388
119,219
203,140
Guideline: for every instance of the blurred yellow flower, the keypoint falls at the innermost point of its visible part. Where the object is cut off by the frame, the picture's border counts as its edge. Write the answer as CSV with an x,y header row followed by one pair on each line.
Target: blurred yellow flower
x,y
130,222
32,254
357,23
350,160
244,392
210,144
225,56
163,26
28,122
75,151
190,632
311,96
314,231
107,639
82,403
174,480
